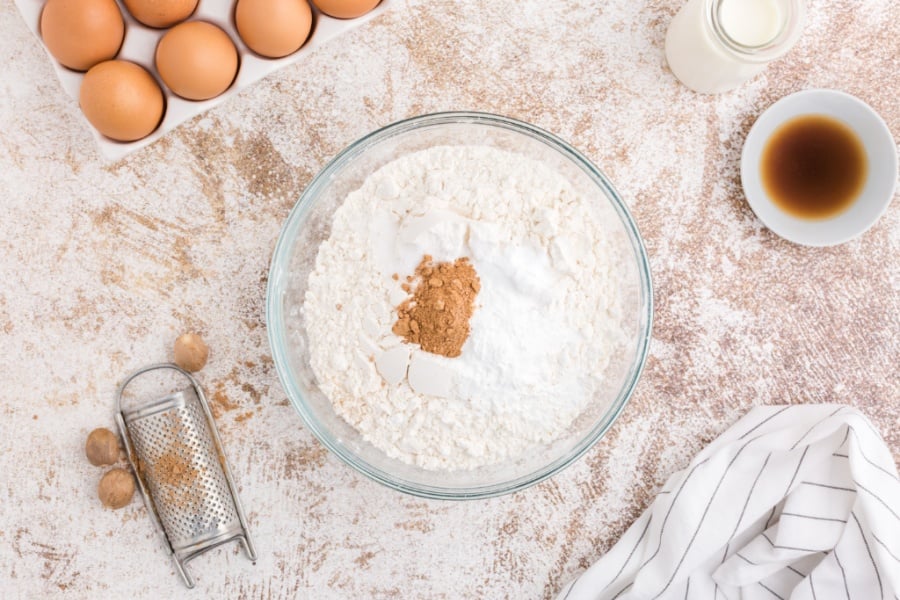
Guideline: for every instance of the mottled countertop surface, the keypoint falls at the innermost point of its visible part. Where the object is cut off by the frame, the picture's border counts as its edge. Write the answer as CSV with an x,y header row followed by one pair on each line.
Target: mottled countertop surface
x,y
104,264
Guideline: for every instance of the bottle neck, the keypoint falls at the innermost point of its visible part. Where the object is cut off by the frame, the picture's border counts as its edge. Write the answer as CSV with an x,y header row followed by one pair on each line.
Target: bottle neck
x,y
756,31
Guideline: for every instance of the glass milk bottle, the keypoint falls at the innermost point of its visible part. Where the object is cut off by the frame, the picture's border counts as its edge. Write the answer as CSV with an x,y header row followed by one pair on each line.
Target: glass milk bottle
x,y
714,46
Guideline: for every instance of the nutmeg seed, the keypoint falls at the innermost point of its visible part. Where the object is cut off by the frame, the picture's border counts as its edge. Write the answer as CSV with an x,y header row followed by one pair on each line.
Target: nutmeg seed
x,y
191,352
116,488
102,447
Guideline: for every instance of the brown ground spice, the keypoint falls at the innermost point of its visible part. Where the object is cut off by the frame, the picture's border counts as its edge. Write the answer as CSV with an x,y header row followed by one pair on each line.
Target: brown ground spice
x,y
436,315
174,467
173,471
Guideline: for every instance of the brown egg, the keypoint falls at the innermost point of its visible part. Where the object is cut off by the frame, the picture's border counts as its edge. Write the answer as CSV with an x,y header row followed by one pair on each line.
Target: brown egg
x,y
197,60
273,28
346,9
161,13
121,100
81,33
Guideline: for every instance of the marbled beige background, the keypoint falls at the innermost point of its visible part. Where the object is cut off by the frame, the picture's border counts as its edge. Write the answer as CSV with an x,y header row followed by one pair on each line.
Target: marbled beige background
x,y
104,264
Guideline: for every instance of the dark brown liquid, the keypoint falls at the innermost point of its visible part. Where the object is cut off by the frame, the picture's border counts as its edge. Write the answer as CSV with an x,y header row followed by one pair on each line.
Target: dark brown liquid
x,y
814,167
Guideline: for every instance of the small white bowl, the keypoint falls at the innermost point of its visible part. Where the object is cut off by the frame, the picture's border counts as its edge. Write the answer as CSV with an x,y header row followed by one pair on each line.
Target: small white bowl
x,y
881,153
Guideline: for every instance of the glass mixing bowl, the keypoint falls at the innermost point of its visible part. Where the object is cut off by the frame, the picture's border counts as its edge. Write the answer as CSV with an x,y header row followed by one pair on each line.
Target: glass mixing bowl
x,y
309,223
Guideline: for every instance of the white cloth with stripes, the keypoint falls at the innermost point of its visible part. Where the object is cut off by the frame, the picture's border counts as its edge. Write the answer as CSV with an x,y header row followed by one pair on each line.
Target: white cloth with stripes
x,y
799,502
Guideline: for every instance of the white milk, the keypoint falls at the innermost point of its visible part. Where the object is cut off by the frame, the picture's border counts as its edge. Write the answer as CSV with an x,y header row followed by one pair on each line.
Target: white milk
x,y
714,46
751,22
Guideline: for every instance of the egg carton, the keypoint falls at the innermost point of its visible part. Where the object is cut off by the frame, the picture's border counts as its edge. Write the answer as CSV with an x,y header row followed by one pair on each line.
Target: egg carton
x,y
139,47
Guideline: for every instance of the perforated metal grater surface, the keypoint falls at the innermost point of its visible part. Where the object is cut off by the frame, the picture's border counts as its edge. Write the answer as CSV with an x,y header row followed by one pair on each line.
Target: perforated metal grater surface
x,y
187,486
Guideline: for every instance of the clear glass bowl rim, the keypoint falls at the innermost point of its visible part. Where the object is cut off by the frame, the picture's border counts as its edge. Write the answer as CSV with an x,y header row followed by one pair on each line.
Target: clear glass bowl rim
x,y
281,257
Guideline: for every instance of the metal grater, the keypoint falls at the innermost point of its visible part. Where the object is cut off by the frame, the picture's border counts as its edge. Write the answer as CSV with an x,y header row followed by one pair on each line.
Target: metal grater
x,y
175,451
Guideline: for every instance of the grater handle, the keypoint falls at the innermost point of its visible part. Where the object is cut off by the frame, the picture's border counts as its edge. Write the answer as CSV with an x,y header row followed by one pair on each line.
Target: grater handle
x,y
156,367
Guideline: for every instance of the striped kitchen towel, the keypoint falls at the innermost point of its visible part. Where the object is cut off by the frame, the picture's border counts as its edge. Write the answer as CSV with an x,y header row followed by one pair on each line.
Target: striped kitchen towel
x,y
799,502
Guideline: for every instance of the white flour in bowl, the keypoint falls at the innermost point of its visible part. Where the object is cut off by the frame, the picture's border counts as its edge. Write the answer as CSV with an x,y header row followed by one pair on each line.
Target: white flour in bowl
x,y
546,318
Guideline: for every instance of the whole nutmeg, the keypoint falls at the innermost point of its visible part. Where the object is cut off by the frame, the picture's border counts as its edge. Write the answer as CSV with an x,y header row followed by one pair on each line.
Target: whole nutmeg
x,y
191,352
116,488
102,447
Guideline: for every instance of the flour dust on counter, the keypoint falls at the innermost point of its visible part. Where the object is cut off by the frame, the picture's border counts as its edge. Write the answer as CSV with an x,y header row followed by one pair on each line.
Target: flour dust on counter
x,y
532,258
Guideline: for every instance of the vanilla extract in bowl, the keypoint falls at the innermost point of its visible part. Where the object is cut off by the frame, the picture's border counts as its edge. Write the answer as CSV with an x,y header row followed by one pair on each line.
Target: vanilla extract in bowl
x,y
814,167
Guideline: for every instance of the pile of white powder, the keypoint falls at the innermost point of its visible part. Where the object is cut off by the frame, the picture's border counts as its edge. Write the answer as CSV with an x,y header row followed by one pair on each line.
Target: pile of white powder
x,y
546,318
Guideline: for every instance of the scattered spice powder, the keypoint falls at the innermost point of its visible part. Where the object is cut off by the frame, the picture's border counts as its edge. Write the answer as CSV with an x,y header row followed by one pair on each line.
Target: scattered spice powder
x,y
220,402
436,315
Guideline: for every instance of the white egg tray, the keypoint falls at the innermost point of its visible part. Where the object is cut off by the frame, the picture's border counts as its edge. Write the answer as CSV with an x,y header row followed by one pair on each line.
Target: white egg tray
x,y
140,46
